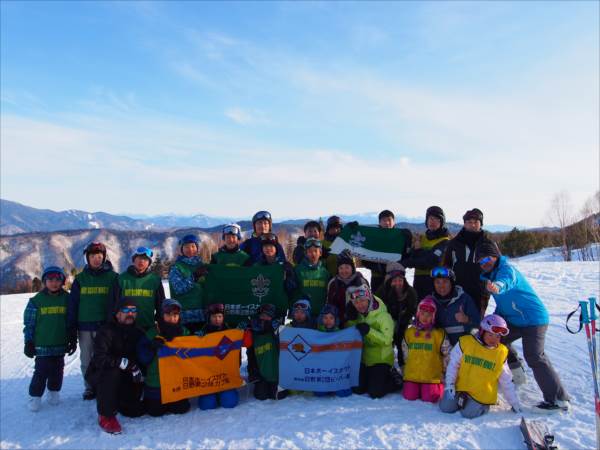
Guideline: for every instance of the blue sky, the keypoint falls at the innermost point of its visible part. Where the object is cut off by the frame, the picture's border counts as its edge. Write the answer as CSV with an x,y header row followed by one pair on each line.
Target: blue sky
x,y
303,108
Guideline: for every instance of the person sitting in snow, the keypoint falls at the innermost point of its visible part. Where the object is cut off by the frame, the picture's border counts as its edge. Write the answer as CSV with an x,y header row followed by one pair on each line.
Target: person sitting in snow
x,y
425,350
300,314
328,321
477,367
166,329
521,307
45,320
215,315
262,338
230,253
346,276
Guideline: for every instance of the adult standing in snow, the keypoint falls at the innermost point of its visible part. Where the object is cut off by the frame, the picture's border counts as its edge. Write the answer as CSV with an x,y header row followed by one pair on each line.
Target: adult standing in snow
x,y
460,257
262,223
427,252
370,316
186,278
528,319
89,301
386,220
114,372
332,229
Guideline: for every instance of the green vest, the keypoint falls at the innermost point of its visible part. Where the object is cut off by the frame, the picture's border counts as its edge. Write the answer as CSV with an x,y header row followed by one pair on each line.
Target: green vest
x,y
267,356
51,319
143,291
231,259
93,295
152,373
192,299
427,244
312,281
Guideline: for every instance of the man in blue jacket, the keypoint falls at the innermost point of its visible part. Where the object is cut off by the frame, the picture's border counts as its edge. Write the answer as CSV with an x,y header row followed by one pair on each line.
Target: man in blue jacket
x,y
527,318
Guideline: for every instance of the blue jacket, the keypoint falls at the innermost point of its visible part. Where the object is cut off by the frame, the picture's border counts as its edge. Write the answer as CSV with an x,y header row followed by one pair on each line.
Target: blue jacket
x,y
253,247
447,308
517,302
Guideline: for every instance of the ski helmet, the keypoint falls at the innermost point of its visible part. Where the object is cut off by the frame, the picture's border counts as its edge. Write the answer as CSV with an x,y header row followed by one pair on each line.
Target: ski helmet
x,y
354,293
94,247
436,211
233,229
51,271
427,304
170,304
142,251
494,324
268,239
334,221
189,239
260,215
443,272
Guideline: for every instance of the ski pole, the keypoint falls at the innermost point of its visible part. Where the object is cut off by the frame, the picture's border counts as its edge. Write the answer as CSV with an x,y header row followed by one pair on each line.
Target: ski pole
x,y
586,322
595,346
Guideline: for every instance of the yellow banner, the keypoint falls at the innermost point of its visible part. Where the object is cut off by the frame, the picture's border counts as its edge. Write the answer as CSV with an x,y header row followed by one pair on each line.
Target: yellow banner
x,y
190,366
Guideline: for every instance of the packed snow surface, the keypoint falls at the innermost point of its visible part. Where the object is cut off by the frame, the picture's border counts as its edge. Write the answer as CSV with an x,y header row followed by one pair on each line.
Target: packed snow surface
x,y
308,422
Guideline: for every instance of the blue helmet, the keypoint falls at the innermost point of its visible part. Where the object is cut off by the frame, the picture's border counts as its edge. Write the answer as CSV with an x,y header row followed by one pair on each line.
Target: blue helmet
x,y
143,251
169,304
53,270
189,239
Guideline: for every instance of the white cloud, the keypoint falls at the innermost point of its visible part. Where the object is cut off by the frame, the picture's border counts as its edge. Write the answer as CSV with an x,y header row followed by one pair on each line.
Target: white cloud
x,y
246,117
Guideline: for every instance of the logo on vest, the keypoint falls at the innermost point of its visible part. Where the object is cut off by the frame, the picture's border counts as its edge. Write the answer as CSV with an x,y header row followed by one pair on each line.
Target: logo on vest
x,y
357,239
260,287
299,348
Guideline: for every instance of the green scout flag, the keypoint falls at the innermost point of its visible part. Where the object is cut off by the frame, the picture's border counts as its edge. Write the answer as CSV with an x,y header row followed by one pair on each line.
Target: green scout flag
x,y
243,289
372,243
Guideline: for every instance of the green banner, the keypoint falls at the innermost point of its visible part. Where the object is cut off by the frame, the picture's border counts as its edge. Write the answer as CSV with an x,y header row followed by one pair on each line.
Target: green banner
x,y
372,243
243,289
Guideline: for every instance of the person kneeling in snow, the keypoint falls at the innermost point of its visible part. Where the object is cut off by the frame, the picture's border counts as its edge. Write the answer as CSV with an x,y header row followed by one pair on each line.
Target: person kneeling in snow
x,y
328,321
425,351
477,367
216,322
166,329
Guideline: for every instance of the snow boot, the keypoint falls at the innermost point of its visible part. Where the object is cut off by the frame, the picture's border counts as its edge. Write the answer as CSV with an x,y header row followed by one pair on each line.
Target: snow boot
x,y
109,424
53,398
89,394
551,408
35,403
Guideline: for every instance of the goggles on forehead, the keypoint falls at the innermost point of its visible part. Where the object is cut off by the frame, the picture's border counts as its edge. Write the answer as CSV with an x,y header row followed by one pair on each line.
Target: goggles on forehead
x,y
484,261
313,242
440,272
143,251
55,276
262,215
427,308
359,293
128,309
300,305
231,229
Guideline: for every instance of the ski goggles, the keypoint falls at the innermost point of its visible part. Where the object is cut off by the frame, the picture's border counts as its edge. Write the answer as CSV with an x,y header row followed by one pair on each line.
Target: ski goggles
x,y
268,238
397,273
484,261
128,309
216,308
55,276
266,215
495,329
358,293
440,272
301,305
313,242
143,251
232,229
427,308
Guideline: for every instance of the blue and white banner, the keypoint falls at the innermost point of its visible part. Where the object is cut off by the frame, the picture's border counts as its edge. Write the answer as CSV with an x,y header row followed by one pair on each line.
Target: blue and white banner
x,y
311,360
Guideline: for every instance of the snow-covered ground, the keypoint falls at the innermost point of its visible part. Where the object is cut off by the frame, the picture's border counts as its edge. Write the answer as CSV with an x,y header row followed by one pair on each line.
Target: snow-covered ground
x,y
308,422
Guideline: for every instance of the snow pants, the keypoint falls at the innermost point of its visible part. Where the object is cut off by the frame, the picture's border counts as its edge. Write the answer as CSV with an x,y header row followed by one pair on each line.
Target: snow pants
x,y
154,407
86,351
428,392
48,371
469,410
116,392
374,380
533,351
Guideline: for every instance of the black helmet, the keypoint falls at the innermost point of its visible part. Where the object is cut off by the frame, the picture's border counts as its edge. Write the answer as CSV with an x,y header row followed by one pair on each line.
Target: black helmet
x,y
334,221
435,211
95,247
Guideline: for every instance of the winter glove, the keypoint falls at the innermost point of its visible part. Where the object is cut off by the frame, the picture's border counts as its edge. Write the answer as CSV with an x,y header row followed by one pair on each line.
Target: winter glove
x,y
157,342
363,328
200,272
72,344
29,349
128,366
137,375
451,391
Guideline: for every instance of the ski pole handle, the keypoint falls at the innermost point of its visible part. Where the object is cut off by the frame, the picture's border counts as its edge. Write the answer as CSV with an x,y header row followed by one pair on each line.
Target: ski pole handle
x,y
585,317
593,313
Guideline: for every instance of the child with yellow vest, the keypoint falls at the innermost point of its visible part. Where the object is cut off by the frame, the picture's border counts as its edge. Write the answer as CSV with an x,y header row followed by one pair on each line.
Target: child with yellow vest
x,y
477,367
425,350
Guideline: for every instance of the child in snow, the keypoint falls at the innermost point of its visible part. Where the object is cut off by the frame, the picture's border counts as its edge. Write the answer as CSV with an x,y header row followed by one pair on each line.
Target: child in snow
x,y
166,329
216,322
312,275
45,321
328,321
346,276
477,367
300,314
263,339
425,350
312,229
230,253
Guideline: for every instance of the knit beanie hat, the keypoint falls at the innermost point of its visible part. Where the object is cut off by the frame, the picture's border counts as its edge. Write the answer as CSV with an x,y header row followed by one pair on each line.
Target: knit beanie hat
x,y
345,257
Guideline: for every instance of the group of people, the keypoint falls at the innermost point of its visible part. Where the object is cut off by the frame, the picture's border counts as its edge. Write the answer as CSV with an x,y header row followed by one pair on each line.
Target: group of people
x,y
433,341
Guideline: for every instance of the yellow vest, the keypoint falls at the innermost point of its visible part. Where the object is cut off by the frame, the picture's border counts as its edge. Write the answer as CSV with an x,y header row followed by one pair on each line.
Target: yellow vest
x,y
427,244
425,361
480,369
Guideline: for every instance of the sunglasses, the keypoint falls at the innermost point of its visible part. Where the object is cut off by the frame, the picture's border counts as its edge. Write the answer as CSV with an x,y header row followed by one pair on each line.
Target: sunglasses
x,y
440,272
54,276
128,309
313,242
144,251
484,261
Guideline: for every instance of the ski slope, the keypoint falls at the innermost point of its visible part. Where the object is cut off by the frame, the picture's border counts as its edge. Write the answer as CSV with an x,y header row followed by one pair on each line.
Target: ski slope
x,y
305,421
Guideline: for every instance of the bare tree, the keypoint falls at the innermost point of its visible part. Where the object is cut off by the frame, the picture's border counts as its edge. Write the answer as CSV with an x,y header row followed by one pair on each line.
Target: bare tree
x,y
590,226
561,216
